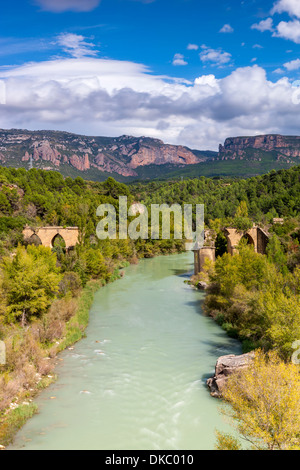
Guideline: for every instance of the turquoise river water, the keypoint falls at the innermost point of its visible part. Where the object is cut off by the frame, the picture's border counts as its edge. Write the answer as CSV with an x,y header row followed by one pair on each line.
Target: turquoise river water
x,y
137,381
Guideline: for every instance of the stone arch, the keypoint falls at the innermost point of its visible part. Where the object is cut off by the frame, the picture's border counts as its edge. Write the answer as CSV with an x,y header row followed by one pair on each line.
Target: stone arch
x,y
35,240
59,240
249,239
256,237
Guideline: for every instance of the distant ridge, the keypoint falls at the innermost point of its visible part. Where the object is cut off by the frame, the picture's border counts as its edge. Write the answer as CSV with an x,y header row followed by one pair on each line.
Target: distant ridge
x,y
120,155
128,158
284,148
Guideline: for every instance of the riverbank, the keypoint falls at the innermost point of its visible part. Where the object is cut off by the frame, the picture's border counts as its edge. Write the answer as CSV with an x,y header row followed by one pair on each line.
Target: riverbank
x,y
22,407
255,299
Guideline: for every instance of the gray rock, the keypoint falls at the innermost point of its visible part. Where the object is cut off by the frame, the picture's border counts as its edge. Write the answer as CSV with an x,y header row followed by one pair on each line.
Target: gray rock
x,y
202,285
226,366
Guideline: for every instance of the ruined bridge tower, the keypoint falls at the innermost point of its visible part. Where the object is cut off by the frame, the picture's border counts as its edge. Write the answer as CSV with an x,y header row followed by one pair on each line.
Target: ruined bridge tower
x,y
208,251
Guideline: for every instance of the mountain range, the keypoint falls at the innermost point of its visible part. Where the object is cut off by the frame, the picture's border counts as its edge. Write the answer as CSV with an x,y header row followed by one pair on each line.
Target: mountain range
x,y
130,158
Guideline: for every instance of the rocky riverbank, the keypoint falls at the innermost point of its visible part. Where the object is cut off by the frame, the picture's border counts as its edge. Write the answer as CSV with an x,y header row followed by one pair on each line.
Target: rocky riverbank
x,y
225,367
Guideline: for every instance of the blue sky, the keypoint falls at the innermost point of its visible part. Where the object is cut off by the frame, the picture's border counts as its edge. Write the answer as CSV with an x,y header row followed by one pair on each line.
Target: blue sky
x,y
186,71
151,33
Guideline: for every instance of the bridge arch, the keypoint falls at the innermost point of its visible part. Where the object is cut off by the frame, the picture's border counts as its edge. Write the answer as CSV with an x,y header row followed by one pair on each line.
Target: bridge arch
x,y
249,239
35,240
58,240
256,236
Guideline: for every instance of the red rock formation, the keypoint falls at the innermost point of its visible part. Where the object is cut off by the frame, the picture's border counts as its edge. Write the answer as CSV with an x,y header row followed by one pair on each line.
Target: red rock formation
x,y
86,163
160,155
43,150
26,157
121,155
80,163
111,165
286,146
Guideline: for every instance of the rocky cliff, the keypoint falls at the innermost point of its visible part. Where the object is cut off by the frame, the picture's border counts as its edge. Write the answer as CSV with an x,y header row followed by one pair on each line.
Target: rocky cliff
x,y
128,157
121,155
285,148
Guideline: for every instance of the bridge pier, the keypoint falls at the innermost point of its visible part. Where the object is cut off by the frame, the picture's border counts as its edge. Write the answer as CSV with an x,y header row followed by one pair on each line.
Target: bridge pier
x,y
201,255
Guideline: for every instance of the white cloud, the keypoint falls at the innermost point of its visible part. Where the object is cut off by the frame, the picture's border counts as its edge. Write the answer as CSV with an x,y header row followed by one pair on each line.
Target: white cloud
x,y
192,47
76,45
214,56
264,25
292,7
288,30
59,6
179,60
207,80
292,65
107,97
226,29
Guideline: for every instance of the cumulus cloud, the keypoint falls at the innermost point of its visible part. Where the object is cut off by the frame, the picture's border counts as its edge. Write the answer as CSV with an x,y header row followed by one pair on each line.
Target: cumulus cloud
x,y
226,29
292,7
264,25
292,65
107,97
59,6
192,47
179,60
214,56
288,30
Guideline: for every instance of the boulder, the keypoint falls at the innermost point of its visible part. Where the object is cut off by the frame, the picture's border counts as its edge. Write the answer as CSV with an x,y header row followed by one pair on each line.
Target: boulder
x,y
226,366
202,285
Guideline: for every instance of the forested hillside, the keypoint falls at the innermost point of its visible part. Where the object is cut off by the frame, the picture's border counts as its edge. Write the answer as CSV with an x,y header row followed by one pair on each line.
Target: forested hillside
x,y
276,194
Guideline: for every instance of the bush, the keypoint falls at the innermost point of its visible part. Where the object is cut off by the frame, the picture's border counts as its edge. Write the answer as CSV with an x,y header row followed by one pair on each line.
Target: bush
x,y
70,283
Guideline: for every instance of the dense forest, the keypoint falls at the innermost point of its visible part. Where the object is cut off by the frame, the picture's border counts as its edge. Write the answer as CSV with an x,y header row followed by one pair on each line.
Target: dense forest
x,y
276,194
46,294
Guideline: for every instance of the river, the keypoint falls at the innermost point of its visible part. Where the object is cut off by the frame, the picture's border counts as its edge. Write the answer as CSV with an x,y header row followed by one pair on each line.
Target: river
x,y
137,381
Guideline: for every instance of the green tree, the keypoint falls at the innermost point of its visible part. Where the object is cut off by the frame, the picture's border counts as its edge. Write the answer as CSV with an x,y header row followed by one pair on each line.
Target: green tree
x,y
30,282
264,401
276,254
95,263
242,210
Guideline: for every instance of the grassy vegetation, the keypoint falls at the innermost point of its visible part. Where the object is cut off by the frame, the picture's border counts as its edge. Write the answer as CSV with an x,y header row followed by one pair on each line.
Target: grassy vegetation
x,y
15,420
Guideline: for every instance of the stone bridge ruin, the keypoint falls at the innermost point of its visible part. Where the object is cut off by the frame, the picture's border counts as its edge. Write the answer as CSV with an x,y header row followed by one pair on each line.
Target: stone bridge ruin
x,y
256,236
46,236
